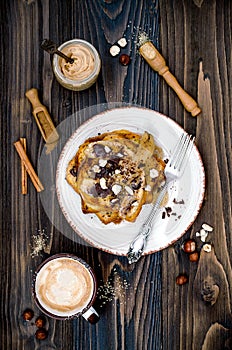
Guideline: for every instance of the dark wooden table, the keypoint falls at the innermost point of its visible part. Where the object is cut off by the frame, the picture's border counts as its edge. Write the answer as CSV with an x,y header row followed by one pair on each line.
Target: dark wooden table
x,y
145,308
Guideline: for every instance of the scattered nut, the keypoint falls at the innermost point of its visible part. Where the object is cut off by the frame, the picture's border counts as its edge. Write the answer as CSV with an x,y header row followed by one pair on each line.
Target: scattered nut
x,y
124,59
204,231
119,154
181,279
103,183
40,321
122,42
116,189
28,314
207,248
96,169
189,246
41,334
154,173
148,188
114,50
102,162
107,149
207,227
203,235
194,257
129,190
114,200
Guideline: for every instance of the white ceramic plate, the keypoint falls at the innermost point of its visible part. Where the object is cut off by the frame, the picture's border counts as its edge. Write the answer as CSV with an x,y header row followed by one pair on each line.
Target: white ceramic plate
x,y
185,195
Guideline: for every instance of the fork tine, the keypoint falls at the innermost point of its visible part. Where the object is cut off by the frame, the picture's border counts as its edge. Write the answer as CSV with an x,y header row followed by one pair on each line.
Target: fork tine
x,y
177,149
184,152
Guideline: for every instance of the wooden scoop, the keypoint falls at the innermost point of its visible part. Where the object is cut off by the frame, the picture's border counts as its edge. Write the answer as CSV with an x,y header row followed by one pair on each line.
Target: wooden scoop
x,y
157,62
43,119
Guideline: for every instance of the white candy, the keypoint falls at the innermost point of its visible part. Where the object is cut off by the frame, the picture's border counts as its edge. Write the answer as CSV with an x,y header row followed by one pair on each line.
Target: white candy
x,y
122,42
107,149
114,50
117,171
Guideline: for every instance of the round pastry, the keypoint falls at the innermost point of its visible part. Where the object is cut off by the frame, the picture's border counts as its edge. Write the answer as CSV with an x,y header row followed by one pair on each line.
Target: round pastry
x,y
115,173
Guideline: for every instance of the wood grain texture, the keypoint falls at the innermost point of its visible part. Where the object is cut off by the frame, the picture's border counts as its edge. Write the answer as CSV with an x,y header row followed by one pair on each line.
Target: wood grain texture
x,y
141,307
199,40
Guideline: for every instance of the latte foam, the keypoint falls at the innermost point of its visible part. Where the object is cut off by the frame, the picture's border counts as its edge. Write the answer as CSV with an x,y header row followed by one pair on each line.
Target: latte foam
x,y
64,286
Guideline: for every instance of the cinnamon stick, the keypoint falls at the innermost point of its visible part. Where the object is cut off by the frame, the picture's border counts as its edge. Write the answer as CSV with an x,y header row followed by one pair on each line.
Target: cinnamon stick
x,y
30,170
23,169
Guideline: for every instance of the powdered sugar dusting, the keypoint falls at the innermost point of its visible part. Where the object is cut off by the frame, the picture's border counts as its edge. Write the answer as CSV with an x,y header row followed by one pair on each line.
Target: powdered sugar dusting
x,y
142,38
39,243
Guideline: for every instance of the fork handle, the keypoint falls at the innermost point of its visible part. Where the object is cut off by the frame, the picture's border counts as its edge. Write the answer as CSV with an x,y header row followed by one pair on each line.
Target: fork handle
x,y
138,245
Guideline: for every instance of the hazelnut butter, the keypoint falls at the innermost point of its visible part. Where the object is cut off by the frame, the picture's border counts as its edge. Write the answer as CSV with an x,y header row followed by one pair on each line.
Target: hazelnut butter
x,y
83,72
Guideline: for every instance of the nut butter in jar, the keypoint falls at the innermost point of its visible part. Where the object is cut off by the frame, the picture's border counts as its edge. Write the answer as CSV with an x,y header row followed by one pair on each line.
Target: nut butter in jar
x,y
83,72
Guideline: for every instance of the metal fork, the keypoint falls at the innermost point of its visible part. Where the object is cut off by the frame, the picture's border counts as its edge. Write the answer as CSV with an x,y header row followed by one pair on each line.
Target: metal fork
x,y
173,170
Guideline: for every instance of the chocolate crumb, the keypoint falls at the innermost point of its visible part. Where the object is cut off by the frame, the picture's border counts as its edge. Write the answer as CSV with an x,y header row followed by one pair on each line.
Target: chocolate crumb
x,y
73,171
168,211
178,202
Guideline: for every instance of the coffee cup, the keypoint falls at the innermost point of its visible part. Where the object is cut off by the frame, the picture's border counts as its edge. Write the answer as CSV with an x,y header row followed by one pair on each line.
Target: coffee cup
x,y
64,286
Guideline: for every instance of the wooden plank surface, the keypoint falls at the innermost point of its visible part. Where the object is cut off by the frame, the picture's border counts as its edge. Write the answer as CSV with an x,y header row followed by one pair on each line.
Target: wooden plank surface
x,y
144,308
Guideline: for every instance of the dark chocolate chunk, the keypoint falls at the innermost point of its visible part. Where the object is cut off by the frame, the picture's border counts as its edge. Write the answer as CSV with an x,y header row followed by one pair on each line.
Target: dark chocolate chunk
x,y
73,171
99,150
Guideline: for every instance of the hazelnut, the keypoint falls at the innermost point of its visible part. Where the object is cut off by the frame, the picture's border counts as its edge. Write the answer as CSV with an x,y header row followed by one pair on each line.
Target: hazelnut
x,y
124,59
28,314
194,257
207,248
207,227
181,279
41,334
40,321
189,246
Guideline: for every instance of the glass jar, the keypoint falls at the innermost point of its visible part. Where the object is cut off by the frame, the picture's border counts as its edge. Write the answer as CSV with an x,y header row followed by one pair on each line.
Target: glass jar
x,y
83,72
